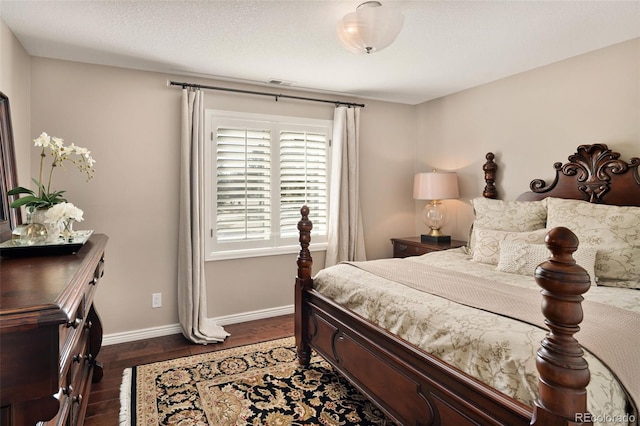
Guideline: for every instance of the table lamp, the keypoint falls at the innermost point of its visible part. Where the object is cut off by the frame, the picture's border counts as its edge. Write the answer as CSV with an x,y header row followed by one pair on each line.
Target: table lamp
x,y
435,186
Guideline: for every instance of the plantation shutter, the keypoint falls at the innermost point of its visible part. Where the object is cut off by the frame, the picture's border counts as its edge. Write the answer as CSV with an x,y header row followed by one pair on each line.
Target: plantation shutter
x,y
303,180
243,179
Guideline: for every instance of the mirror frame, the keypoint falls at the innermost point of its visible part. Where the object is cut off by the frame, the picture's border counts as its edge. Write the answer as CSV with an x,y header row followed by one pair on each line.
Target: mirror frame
x,y
9,217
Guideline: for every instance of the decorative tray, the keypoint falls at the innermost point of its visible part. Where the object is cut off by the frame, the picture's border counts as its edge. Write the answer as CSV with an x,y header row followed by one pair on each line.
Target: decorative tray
x,y
13,248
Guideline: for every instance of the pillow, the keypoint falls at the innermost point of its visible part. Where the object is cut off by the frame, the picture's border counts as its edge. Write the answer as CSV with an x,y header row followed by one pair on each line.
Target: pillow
x,y
487,246
512,216
522,258
615,230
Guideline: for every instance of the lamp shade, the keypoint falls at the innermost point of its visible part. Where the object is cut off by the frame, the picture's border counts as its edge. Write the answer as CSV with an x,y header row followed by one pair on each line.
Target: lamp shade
x,y
435,186
370,28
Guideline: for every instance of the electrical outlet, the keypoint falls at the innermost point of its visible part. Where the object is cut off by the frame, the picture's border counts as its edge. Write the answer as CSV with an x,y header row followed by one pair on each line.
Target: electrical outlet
x,y
156,300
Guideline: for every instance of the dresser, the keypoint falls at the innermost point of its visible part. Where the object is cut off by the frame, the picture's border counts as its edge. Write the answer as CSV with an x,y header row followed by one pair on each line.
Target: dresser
x,y
412,246
50,335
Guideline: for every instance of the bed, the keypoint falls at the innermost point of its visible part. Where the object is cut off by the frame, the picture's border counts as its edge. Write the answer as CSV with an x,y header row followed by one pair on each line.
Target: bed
x,y
403,368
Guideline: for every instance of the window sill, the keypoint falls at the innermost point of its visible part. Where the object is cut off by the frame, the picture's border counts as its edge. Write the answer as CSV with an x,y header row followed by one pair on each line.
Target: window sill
x,y
271,251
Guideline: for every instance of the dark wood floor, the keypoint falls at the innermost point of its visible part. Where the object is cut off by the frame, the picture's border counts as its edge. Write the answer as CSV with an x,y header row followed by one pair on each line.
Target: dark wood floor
x,y
104,400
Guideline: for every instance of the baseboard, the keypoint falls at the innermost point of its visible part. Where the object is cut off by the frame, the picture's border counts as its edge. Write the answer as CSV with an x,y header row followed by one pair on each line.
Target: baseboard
x,y
148,333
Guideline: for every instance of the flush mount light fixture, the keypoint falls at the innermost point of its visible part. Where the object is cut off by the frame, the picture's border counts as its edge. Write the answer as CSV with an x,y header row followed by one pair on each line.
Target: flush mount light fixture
x,y
371,28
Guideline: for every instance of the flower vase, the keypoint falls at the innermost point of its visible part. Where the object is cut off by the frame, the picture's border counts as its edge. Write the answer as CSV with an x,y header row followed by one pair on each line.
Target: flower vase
x,y
34,233
67,230
53,231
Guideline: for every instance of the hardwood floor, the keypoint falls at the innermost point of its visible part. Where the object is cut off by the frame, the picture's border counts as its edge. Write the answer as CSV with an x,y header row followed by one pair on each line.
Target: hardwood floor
x,y
104,401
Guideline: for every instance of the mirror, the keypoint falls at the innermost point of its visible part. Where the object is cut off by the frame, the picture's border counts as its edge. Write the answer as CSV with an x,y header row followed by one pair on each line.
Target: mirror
x,y
9,218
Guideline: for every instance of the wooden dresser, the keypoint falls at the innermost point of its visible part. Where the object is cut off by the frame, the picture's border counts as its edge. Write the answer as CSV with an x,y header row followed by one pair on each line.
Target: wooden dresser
x,y
50,335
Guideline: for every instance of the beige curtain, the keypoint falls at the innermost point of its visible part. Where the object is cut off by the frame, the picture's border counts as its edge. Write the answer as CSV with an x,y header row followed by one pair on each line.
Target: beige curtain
x,y
192,287
345,236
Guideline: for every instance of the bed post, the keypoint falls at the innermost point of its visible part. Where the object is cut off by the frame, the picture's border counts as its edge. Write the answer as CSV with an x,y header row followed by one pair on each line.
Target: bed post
x,y
563,372
303,283
490,168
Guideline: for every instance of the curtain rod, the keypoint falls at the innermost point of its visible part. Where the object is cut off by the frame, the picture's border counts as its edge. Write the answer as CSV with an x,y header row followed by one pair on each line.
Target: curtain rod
x,y
251,92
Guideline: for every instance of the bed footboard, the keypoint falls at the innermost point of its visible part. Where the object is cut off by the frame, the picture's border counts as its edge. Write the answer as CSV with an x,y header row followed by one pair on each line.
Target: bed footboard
x,y
413,387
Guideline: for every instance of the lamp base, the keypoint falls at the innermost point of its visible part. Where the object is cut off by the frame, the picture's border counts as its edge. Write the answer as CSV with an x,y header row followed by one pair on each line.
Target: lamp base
x,y
425,238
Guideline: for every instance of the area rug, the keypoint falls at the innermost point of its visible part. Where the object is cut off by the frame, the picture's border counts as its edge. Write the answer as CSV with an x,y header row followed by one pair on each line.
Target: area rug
x,y
259,384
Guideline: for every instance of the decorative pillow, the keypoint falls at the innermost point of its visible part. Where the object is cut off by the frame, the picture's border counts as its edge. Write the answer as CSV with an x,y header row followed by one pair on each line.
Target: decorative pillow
x,y
614,230
522,258
512,216
487,246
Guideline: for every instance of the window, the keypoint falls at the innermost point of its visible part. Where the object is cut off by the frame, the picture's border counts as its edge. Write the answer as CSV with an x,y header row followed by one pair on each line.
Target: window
x,y
262,170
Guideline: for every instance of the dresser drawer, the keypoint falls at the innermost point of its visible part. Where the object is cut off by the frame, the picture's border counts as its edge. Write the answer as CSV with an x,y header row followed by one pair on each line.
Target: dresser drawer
x,y
70,335
62,417
80,379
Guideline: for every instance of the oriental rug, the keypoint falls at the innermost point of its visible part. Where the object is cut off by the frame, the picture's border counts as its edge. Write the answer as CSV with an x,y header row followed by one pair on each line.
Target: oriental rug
x,y
260,384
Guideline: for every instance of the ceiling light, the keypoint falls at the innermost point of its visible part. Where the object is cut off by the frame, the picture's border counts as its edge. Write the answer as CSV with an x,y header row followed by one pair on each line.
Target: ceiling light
x,y
370,28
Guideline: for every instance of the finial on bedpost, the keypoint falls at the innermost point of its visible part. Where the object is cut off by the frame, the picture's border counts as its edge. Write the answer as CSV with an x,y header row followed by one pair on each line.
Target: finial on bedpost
x,y
490,168
303,283
564,373
304,257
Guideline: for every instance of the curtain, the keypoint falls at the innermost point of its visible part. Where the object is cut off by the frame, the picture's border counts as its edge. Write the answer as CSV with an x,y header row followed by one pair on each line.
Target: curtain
x,y
192,287
345,235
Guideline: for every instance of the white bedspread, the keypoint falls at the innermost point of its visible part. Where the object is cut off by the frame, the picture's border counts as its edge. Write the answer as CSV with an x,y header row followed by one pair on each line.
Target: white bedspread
x,y
496,350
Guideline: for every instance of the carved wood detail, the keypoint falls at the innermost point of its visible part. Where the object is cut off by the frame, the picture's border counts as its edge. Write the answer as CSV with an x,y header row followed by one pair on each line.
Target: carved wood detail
x,y
564,373
303,284
595,174
490,168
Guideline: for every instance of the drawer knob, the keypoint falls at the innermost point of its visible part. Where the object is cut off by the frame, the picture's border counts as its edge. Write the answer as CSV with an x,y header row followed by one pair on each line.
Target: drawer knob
x,y
88,325
77,399
75,323
67,390
94,281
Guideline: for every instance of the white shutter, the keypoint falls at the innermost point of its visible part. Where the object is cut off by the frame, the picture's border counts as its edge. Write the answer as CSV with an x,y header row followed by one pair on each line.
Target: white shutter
x,y
263,168
303,180
243,179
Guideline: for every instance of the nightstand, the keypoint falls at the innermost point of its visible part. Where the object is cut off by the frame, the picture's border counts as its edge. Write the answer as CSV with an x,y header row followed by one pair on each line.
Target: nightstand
x,y
412,246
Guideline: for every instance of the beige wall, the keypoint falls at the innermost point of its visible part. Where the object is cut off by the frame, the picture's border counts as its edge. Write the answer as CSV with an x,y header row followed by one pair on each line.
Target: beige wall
x,y
530,120
15,84
130,121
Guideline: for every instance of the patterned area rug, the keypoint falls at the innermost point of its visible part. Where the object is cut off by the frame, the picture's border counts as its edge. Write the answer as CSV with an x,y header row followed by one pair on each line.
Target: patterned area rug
x,y
259,384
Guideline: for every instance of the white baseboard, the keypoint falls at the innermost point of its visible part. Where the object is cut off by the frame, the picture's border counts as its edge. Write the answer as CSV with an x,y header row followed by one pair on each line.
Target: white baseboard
x,y
165,330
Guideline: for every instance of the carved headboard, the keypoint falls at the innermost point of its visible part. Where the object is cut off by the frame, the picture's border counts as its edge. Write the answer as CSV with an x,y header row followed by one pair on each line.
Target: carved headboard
x,y
595,174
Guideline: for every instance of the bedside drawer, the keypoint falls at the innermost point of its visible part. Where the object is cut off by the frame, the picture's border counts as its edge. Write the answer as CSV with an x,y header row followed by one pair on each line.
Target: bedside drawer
x,y
413,246
404,250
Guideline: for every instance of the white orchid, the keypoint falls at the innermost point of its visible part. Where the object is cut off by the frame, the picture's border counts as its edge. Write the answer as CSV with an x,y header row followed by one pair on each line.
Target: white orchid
x,y
45,197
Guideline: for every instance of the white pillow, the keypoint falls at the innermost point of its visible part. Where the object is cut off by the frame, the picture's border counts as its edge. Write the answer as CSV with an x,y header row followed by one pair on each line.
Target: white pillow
x,y
512,216
522,258
614,230
487,242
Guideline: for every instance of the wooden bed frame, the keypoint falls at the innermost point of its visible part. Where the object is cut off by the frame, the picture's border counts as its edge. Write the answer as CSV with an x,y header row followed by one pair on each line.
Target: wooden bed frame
x,y
413,387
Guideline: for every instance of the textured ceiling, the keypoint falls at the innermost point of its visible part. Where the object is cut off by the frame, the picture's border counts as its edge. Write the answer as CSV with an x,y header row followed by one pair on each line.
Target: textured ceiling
x,y
444,47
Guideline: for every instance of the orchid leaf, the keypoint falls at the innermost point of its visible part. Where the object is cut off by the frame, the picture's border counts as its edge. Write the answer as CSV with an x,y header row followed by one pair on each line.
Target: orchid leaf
x,y
30,199
20,190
